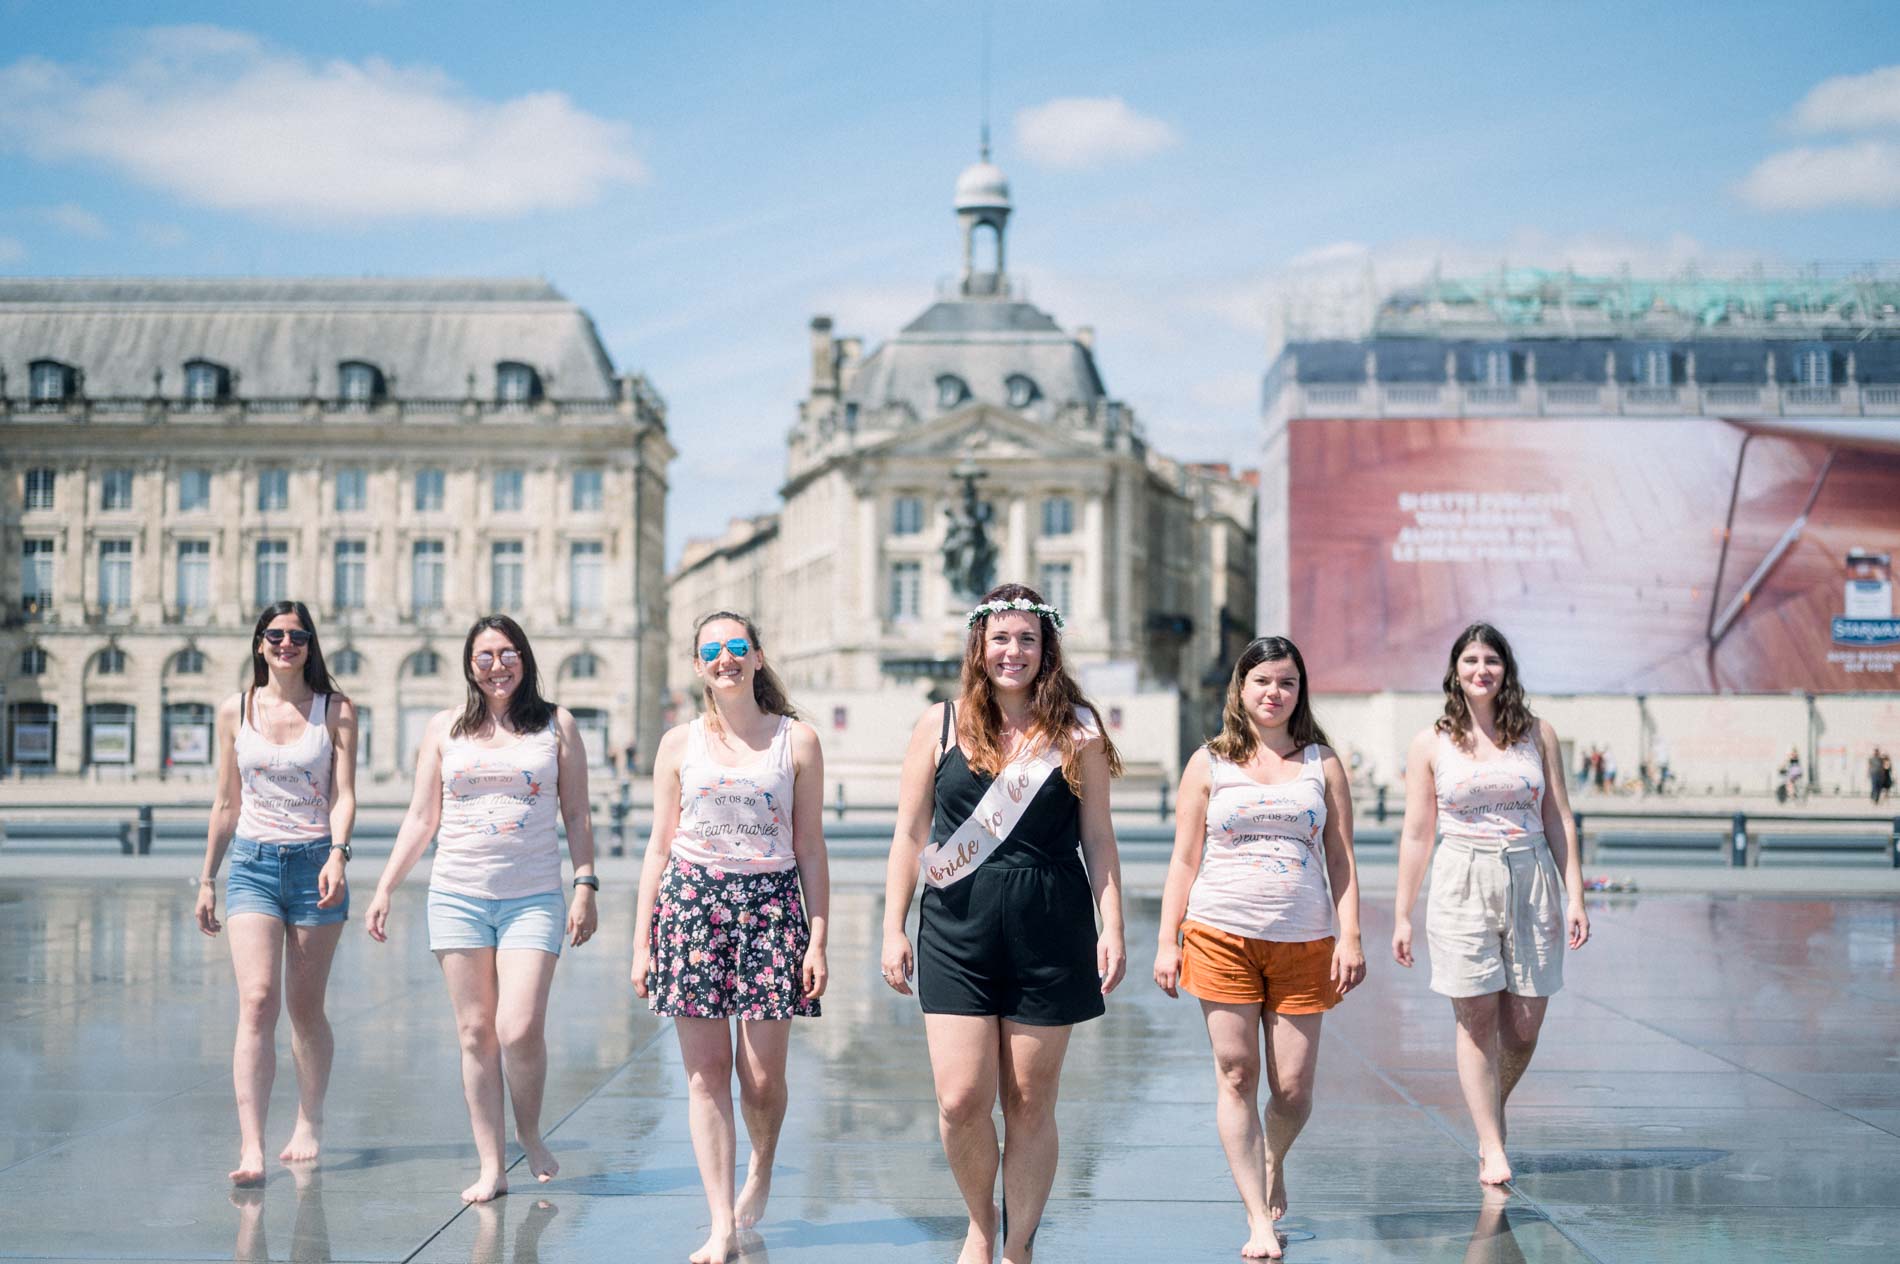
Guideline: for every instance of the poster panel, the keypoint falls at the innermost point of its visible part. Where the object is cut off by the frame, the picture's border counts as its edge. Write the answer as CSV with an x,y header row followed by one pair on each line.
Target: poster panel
x,y
1597,546
32,743
190,743
111,743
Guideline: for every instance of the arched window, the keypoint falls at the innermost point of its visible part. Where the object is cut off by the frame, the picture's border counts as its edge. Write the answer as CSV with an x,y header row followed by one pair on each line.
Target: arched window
x,y
1022,390
50,382
516,385
583,666
951,390
346,662
33,661
33,735
425,663
109,737
109,662
360,384
189,661
206,382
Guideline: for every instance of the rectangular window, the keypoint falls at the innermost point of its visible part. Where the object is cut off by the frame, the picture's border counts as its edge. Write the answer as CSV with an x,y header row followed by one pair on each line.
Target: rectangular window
x,y
428,491
352,559
273,571
194,574
426,572
508,491
1813,367
36,578
586,570
907,588
504,575
194,490
273,489
586,491
115,489
352,489
1058,515
39,488
907,515
115,574
1057,584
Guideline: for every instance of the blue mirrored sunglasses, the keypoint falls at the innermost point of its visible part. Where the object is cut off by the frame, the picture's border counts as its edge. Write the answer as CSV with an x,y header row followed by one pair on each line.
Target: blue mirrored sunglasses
x,y
738,647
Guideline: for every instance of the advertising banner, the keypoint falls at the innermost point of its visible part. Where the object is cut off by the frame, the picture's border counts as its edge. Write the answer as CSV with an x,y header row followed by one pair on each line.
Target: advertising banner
x,y
1602,547
191,743
32,743
111,743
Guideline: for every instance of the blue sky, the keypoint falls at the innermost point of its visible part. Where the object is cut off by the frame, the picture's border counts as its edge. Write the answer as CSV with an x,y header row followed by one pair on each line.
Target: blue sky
x,y
704,178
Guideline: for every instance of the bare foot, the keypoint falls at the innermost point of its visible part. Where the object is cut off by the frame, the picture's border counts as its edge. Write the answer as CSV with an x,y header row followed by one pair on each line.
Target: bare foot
x,y
979,1244
304,1144
1263,1243
1493,1169
718,1248
486,1188
1276,1191
541,1160
750,1207
250,1169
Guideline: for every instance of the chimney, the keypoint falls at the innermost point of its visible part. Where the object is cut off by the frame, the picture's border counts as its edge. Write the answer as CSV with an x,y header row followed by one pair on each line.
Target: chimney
x,y
1085,334
824,358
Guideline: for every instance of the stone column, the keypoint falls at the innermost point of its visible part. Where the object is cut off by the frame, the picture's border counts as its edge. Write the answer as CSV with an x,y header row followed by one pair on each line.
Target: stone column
x,y
1016,554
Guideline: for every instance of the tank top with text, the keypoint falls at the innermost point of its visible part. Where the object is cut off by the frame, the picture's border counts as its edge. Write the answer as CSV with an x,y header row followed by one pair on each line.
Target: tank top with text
x,y
499,836
284,790
736,820
1263,865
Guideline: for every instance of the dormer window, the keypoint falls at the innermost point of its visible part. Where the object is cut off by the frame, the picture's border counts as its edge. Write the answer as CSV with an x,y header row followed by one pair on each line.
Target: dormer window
x,y
360,384
516,385
206,383
1022,390
951,391
50,382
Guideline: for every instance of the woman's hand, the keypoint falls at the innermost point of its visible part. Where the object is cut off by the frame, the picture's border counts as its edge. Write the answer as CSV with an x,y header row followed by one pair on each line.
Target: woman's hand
x,y
207,908
582,917
1111,959
1349,964
1168,969
1402,942
376,921
332,886
896,961
815,972
642,974
1578,923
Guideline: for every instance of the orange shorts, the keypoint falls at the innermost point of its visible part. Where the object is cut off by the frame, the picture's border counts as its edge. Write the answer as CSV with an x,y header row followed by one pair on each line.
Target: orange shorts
x,y
1229,969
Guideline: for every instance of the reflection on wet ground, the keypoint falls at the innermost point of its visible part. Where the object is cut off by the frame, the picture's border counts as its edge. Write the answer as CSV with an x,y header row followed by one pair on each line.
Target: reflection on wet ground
x,y
1722,1076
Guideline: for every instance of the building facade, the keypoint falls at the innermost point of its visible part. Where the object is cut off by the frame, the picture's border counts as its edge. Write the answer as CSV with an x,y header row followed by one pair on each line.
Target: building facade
x,y
402,456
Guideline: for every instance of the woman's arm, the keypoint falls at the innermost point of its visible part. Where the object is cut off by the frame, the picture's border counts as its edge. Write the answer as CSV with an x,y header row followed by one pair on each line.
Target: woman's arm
x,y
577,815
808,846
916,801
418,826
224,816
341,721
1104,865
1415,839
666,819
1190,838
1560,831
1342,875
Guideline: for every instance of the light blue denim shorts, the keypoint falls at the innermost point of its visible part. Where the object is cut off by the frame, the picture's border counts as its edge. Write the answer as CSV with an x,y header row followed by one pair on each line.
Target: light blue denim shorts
x,y
280,880
469,921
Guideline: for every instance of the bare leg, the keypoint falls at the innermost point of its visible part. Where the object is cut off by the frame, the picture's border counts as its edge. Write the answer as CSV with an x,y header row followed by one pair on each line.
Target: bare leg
x,y
470,973
1234,1033
965,1056
1477,1019
252,1243
257,956
1292,1060
706,1048
762,1048
523,977
308,953
1031,1075
1520,1019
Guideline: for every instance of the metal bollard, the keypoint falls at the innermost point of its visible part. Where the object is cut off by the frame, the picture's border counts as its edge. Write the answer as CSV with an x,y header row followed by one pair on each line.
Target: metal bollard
x,y
619,810
145,829
1896,842
1161,812
1738,842
126,831
1378,810
838,801
1583,848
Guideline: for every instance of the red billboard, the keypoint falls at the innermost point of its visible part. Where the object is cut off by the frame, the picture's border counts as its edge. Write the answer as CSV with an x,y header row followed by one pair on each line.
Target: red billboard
x,y
1620,555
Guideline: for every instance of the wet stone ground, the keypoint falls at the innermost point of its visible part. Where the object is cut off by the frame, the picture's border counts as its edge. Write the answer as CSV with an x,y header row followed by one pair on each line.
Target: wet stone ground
x,y
1721,1080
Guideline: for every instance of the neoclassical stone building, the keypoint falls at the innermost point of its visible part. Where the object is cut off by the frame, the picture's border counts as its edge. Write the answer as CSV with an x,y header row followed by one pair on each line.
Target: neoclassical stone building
x,y
1151,559
403,456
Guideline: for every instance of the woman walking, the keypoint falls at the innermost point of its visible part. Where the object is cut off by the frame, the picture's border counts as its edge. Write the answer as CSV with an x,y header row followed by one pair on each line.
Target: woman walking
x,y
285,805
1262,861
491,779
998,790
720,931
1507,884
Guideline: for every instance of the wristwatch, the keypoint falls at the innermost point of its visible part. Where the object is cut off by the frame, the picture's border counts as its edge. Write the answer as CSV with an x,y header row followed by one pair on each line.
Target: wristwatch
x,y
587,880
344,848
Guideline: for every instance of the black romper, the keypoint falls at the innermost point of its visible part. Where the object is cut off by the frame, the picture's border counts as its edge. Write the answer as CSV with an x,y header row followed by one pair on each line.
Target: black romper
x,y
1015,939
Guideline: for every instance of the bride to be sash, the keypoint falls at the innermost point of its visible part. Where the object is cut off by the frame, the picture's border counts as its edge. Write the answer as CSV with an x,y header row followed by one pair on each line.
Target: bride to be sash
x,y
996,814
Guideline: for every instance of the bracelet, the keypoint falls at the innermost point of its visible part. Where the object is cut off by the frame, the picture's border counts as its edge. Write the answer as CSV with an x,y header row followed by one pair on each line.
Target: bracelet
x,y
587,880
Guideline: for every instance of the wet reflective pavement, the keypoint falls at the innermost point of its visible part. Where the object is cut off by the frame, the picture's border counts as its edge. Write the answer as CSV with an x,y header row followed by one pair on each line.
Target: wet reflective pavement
x,y
1721,1076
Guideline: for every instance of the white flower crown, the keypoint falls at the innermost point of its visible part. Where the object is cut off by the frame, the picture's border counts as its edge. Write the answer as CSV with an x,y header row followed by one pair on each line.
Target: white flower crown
x,y
1021,605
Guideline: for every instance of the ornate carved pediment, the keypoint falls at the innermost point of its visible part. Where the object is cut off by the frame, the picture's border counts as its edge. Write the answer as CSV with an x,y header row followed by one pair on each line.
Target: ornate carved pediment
x,y
983,434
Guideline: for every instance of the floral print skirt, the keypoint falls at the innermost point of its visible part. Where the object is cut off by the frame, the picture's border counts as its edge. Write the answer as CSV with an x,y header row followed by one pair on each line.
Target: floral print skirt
x,y
729,945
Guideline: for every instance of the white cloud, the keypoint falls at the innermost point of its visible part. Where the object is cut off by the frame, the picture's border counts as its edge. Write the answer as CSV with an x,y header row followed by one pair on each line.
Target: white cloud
x,y
219,118
75,219
164,236
1079,132
11,251
1852,103
1864,173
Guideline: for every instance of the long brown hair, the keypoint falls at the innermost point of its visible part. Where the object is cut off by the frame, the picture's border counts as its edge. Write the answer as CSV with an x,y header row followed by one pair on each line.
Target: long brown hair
x,y
1054,700
1237,739
528,711
1514,718
767,689
315,674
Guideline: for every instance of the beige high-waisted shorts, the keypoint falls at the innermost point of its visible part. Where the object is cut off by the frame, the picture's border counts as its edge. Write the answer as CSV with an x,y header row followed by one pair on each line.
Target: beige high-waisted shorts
x,y
1495,920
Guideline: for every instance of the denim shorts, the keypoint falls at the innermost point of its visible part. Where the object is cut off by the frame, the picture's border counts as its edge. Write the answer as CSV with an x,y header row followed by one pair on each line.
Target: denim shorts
x,y
280,880
470,921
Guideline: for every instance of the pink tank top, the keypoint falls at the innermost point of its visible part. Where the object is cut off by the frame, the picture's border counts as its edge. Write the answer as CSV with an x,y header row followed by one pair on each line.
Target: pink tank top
x,y
1489,802
1263,866
736,818
500,811
284,791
